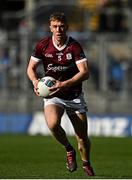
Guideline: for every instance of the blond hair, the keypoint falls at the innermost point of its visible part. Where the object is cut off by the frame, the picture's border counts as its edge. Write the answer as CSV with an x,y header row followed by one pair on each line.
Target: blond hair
x,y
59,16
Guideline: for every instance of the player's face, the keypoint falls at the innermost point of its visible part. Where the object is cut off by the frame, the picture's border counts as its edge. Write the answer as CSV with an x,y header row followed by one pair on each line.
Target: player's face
x,y
58,29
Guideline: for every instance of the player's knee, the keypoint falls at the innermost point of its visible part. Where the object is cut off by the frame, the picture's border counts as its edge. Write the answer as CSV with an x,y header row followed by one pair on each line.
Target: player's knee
x,y
52,126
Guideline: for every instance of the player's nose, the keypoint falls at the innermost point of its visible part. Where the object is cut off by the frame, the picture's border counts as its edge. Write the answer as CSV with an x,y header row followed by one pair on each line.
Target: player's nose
x,y
58,29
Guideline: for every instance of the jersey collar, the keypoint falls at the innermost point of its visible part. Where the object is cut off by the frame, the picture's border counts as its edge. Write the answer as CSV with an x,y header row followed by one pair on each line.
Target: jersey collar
x,y
62,47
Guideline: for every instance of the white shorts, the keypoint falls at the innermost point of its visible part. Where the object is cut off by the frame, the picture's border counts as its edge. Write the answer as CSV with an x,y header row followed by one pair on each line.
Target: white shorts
x,y
77,105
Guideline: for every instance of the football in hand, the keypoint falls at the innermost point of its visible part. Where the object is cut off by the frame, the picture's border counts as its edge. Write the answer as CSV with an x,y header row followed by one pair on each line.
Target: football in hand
x,y
44,84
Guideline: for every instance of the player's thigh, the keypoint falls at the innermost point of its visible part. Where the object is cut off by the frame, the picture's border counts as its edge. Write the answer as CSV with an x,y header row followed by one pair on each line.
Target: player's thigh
x,y
79,122
53,114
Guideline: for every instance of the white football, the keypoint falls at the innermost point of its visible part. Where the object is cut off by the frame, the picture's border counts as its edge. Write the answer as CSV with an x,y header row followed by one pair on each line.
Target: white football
x,y
44,84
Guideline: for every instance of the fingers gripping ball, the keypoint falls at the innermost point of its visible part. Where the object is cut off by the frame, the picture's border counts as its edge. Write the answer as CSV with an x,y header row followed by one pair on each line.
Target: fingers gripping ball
x,y
44,84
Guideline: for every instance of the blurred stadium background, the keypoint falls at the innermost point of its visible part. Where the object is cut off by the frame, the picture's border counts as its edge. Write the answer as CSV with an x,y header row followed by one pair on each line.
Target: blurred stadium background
x,y
104,29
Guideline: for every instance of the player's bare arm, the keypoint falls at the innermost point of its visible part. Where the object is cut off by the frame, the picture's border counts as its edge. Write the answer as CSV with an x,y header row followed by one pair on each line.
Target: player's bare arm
x,y
31,72
82,75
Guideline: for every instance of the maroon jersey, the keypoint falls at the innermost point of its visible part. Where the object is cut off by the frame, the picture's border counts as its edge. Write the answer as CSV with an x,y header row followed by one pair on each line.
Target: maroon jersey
x,y
60,63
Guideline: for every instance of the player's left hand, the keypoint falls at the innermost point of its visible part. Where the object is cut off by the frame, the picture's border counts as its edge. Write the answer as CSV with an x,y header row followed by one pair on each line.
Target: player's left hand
x,y
59,85
54,89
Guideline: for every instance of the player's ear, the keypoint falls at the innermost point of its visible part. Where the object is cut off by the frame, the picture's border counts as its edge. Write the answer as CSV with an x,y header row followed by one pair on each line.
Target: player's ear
x,y
50,29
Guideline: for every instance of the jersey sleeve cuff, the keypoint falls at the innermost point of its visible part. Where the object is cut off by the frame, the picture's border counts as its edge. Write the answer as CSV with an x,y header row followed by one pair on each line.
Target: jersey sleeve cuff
x,y
81,60
35,59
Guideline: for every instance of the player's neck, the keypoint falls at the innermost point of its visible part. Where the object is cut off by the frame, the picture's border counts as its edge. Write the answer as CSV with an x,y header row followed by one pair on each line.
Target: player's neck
x,y
60,42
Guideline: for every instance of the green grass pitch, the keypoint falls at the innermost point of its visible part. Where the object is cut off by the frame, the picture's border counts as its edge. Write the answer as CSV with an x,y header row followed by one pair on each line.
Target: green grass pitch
x,y
41,157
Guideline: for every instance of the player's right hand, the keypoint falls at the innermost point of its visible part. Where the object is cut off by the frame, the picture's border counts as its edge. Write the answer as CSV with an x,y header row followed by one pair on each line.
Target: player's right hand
x,y
35,84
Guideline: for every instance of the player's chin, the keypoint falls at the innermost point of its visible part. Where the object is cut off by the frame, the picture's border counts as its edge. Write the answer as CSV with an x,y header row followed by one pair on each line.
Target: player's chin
x,y
59,37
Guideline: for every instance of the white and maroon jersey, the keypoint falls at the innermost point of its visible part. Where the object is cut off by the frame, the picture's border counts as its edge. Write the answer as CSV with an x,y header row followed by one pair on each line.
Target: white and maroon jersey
x,y
60,63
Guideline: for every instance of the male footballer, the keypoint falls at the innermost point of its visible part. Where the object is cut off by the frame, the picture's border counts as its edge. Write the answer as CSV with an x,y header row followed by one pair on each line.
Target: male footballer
x,y
63,59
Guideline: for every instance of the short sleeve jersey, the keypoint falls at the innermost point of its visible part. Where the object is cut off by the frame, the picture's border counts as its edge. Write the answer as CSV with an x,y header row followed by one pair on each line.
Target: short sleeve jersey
x,y
60,63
